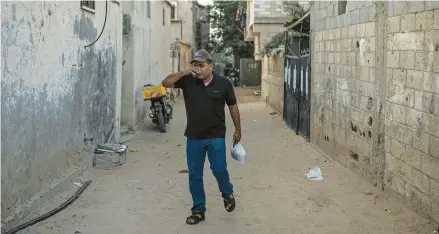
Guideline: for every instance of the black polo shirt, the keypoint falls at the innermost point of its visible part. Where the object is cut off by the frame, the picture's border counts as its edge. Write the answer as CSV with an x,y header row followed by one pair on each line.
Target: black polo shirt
x,y
205,106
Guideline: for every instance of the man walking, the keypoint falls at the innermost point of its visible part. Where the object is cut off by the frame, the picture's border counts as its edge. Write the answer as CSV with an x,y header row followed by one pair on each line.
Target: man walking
x,y
205,95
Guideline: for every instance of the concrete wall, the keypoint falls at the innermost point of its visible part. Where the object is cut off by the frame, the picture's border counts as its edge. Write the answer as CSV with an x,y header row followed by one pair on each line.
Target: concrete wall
x,y
272,87
374,94
54,92
146,55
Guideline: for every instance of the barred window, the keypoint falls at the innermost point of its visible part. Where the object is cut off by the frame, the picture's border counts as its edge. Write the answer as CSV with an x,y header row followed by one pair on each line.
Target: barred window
x,y
88,4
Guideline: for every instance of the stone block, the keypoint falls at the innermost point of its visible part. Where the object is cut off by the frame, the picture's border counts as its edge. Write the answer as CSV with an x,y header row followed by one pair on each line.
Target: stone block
x,y
394,24
429,166
431,124
424,101
431,82
395,183
416,6
421,142
372,13
433,211
424,20
408,23
436,104
415,79
398,113
397,149
424,61
352,31
434,190
407,59
406,41
418,201
420,180
432,40
364,14
433,148
351,5
393,59
372,74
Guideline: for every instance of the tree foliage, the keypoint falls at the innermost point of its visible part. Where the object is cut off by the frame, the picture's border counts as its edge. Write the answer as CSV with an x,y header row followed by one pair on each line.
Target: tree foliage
x,y
294,11
228,36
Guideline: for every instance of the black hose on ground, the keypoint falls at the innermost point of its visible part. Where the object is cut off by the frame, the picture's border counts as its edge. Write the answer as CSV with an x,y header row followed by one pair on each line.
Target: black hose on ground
x,y
52,212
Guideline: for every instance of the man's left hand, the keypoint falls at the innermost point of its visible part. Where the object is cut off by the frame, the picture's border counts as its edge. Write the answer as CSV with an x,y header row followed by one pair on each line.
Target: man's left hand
x,y
236,137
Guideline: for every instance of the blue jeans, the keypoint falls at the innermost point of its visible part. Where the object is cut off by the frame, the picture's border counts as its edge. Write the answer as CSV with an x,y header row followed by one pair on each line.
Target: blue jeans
x,y
196,155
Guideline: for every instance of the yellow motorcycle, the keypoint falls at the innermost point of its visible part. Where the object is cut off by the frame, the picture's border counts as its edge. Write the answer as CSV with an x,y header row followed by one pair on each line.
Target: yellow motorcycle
x,y
161,105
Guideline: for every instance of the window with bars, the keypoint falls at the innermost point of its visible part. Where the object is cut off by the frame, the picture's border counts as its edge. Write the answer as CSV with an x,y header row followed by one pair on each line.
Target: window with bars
x,y
88,4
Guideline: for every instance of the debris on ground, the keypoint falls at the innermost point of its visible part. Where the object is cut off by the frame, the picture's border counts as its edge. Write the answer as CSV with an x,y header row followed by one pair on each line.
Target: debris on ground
x,y
134,150
135,181
184,171
314,174
77,184
368,192
273,113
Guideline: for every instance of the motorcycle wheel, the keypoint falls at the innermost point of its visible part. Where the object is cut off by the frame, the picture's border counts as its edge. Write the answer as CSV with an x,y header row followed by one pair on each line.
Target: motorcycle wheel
x,y
161,121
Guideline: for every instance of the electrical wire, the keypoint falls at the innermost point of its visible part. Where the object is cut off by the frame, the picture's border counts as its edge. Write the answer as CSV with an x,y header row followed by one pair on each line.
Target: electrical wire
x,y
52,212
103,27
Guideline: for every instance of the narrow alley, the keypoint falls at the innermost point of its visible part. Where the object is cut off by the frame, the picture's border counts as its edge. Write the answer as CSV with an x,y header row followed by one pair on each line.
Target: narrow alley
x,y
148,194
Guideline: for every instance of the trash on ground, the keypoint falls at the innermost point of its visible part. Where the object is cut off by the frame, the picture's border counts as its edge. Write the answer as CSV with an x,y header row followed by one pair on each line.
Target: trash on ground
x,y
109,156
135,181
184,171
314,174
273,113
238,153
134,150
367,192
77,184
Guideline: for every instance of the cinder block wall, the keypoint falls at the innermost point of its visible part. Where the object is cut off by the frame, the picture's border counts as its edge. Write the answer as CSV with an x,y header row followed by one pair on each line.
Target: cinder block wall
x,y
375,74
272,87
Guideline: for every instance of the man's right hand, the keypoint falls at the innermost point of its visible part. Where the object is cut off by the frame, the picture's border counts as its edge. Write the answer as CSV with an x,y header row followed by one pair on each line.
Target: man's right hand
x,y
194,71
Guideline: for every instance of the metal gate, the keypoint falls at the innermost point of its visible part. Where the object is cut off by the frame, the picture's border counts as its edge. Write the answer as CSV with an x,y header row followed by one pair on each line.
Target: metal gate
x,y
297,83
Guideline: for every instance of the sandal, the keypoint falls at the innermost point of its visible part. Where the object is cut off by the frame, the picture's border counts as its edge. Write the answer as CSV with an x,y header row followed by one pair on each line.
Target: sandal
x,y
195,218
229,202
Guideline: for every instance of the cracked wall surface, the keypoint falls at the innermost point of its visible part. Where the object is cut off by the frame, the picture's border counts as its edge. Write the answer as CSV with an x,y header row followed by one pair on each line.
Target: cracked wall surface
x,y
54,92
374,94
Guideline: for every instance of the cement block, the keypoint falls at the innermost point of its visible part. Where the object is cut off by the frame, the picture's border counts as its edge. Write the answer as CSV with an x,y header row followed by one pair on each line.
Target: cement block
x,y
436,104
372,74
431,5
351,5
372,13
421,141
334,22
393,59
436,18
370,29
424,20
394,24
433,211
398,114
416,6
361,30
407,59
432,40
405,134
399,7
398,168
433,148
364,14
431,124
408,23
420,180
354,17
424,102
352,31
399,76
415,79
430,165
431,82
424,61
406,41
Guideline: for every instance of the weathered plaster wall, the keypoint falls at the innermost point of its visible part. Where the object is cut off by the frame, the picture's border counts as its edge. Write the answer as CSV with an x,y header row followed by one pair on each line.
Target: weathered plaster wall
x,y
54,91
374,76
146,55
272,87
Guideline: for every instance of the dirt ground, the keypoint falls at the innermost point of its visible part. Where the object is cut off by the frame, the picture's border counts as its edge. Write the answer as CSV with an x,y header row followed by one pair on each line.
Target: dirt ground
x,y
147,195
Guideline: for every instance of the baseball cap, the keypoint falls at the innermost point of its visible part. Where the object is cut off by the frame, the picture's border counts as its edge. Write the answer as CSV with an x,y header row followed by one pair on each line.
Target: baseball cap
x,y
201,56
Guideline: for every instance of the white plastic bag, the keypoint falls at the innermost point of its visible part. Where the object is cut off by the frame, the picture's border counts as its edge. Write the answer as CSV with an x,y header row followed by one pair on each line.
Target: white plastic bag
x,y
238,153
314,174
